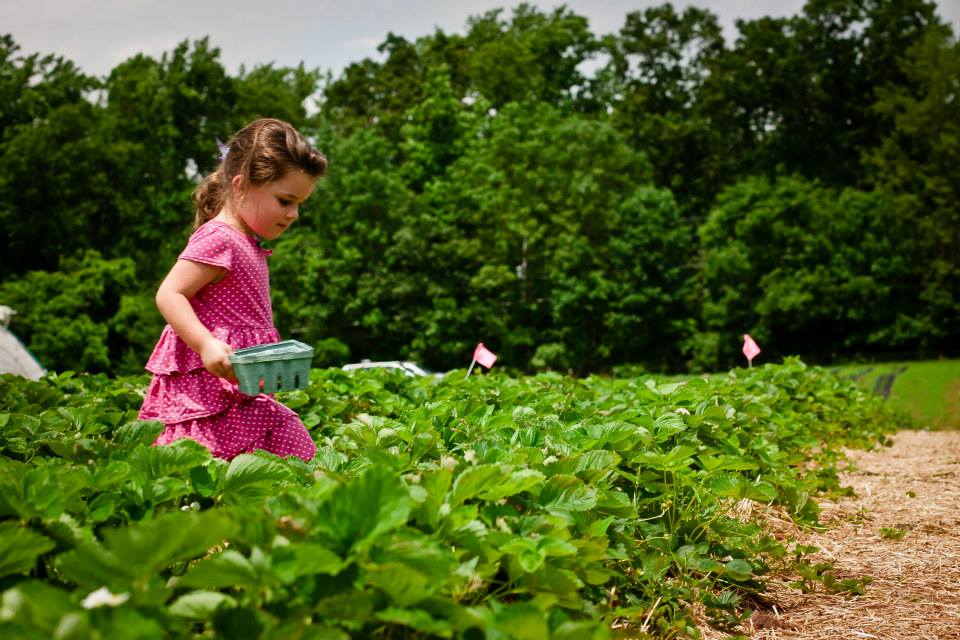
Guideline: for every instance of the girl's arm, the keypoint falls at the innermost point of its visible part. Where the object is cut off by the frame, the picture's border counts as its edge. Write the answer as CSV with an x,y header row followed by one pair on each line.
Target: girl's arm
x,y
185,279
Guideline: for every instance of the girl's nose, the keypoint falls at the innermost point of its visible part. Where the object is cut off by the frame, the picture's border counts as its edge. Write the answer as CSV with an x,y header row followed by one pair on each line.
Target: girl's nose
x,y
294,213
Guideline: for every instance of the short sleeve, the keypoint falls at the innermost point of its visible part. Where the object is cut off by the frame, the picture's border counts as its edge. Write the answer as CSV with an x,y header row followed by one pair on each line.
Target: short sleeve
x,y
210,245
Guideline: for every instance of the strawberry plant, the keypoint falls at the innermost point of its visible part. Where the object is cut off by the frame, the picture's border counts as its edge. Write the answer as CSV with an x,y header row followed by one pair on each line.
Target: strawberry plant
x,y
497,507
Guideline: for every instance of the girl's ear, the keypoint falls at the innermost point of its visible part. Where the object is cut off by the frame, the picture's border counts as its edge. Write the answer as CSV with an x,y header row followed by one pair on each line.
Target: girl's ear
x,y
238,186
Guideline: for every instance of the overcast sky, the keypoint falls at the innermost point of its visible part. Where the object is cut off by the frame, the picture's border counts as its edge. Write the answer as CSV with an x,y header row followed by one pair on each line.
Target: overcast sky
x,y
328,34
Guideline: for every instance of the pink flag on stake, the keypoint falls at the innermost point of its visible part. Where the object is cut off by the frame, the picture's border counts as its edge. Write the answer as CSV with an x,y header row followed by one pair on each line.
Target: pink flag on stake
x,y
750,348
484,356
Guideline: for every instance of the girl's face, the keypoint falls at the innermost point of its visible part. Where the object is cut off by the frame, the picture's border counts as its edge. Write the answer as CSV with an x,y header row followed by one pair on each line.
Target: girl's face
x,y
269,209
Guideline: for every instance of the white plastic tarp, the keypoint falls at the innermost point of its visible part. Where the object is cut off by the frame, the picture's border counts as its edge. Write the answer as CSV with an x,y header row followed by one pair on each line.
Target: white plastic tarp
x,y
14,357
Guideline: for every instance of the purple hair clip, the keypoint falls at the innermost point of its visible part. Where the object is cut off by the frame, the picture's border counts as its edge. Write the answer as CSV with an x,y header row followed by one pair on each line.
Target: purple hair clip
x,y
224,150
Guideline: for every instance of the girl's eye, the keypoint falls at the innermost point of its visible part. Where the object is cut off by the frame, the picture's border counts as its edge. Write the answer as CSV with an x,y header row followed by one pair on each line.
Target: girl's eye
x,y
283,202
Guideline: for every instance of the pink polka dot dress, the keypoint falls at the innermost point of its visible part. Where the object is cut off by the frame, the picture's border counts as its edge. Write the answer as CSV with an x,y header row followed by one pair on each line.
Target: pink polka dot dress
x,y
192,402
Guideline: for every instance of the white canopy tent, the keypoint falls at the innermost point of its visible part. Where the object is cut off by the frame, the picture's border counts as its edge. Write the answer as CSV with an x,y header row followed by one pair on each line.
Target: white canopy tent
x,y
14,357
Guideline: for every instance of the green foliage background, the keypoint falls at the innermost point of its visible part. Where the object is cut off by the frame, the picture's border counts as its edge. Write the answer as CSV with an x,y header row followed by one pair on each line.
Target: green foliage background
x,y
799,183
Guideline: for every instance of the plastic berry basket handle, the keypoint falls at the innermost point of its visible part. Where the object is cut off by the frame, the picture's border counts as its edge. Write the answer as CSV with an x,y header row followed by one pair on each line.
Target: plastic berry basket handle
x,y
268,368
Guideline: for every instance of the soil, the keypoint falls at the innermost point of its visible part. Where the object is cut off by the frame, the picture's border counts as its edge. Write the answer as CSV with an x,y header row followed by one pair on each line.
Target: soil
x,y
901,528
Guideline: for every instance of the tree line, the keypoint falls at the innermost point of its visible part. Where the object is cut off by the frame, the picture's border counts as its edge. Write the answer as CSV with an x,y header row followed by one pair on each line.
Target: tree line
x,y
578,201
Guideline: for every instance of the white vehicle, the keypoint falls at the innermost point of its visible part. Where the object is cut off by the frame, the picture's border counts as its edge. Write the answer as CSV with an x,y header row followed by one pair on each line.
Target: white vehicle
x,y
411,369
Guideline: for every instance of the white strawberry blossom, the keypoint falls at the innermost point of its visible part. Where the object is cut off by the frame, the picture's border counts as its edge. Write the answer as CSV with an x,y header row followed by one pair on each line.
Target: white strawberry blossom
x,y
102,597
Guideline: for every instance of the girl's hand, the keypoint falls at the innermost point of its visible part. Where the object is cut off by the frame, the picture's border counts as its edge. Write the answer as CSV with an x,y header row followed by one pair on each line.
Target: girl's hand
x,y
215,355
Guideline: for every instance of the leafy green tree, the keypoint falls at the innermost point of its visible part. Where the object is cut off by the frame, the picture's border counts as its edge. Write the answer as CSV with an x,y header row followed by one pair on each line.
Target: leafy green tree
x,y
797,92
81,317
371,94
329,273
522,230
436,132
657,66
535,231
806,269
173,107
920,160
63,188
167,113
484,186
277,92
46,186
532,57
33,85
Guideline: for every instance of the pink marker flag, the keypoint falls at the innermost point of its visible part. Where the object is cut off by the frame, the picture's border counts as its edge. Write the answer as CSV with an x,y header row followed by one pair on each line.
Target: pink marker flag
x,y
750,348
482,355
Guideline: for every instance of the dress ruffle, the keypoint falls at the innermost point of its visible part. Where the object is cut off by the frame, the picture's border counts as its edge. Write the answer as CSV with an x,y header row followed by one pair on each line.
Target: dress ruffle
x,y
181,389
176,397
172,355
245,425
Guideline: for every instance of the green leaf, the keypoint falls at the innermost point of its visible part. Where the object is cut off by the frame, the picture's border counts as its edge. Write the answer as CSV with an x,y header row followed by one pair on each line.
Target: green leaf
x,y
138,433
595,464
738,570
157,462
226,569
598,528
473,481
141,550
41,492
67,531
403,584
679,457
727,463
620,435
111,473
358,512
616,503
564,493
37,604
654,566
522,621
199,605
580,630
92,565
492,482
353,607
319,632
74,626
668,425
528,554
531,553
237,622
428,566
417,619
203,482
304,558
20,547
761,491
436,482
252,476
330,459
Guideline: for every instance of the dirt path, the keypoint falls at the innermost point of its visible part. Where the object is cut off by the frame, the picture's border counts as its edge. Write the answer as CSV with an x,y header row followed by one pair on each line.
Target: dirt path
x,y
912,487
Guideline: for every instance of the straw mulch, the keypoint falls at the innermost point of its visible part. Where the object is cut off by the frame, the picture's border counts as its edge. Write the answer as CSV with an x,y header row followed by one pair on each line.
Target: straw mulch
x,y
912,487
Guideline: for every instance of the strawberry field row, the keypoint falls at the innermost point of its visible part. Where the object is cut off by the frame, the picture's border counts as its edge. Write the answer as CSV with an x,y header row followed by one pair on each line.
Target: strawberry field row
x,y
489,507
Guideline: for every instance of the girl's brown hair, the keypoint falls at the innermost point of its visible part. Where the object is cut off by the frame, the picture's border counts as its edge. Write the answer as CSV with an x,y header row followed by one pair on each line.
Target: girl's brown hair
x,y
265,150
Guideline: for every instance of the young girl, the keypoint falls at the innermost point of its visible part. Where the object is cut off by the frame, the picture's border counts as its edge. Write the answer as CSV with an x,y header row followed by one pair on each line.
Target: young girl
x,y
216,298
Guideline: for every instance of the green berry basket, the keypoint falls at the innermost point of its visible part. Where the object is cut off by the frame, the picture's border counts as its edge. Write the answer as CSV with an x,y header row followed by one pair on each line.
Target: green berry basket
x,y
268,368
